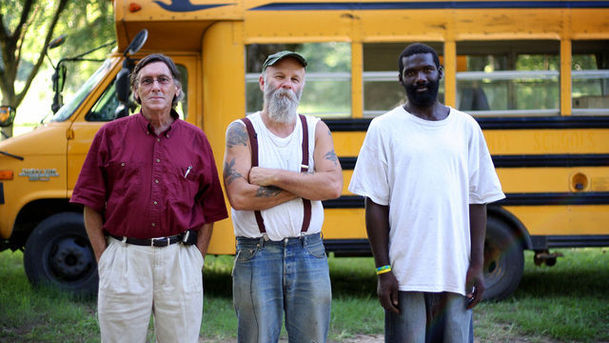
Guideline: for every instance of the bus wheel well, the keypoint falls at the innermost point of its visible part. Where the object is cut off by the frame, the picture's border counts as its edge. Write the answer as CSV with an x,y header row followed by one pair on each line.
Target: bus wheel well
x,y
35,212
516,227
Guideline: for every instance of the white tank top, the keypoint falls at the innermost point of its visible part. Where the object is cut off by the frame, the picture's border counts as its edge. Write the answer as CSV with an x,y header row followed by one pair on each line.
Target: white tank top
x,y
284,220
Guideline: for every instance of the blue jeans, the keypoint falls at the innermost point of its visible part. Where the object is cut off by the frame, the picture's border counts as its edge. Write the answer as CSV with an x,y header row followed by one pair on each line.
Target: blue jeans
x,y
429,317
287,278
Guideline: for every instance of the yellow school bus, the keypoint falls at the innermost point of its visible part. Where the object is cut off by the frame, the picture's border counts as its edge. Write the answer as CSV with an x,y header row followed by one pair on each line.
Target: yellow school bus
x,y
535,74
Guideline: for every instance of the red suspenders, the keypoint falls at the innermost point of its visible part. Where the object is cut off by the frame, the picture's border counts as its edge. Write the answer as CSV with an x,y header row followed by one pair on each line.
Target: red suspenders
x,y
304,167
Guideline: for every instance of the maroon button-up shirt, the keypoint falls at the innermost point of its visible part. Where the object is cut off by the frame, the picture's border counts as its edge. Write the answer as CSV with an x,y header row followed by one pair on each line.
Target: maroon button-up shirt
x,y
147,185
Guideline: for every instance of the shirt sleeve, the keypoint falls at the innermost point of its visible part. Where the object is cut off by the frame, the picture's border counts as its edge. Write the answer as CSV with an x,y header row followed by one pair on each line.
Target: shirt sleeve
x,y
90,188
370,175
210,194
484,185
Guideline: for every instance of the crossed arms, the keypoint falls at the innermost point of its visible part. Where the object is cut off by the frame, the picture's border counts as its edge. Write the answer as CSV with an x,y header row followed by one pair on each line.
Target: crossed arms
x,y
256,188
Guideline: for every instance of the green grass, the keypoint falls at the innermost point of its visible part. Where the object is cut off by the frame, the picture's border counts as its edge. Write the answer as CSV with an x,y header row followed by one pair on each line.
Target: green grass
x,y
40,315
565,303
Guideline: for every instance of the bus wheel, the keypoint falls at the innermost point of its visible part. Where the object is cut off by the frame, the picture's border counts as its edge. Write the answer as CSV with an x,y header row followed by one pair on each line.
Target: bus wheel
x,y
503,260
58,254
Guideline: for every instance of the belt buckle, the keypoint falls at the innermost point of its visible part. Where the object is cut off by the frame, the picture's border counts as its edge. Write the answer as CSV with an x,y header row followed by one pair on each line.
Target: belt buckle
x,y
153,240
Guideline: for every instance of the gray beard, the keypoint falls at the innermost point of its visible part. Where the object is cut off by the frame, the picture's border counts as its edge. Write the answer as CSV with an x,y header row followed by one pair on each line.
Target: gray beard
x,y
282,105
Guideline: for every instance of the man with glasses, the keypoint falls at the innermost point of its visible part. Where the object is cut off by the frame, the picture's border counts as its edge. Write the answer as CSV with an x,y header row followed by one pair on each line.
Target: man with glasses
x,y
151,194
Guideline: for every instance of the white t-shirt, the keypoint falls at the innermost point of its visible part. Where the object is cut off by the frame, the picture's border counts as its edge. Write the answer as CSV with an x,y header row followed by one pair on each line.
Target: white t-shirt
x,y
284,220
427,172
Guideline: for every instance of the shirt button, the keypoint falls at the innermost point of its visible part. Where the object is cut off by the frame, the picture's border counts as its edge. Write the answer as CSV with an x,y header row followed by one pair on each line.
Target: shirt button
x,y
122,164
153,224
158,160
155,202
158,139
167,135
148,132
156,181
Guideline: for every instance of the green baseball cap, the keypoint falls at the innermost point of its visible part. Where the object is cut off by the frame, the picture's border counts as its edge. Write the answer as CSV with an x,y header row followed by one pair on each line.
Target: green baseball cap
x,y
278,56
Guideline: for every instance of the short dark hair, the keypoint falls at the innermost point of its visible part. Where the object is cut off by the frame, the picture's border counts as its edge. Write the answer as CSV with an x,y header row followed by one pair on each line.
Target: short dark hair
x,y
417,48
175,73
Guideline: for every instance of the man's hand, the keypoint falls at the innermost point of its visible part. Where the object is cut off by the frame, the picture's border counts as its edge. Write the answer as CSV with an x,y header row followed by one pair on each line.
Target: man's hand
x,y
387,291
262,176
474,286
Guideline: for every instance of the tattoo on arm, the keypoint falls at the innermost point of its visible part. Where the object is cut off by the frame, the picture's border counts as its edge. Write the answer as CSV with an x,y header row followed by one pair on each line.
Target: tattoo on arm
x,y
230,174
267,191
331,156
236,135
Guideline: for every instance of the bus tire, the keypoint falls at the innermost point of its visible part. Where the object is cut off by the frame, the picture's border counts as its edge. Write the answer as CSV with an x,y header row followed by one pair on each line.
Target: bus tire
x,y
503,260
58,254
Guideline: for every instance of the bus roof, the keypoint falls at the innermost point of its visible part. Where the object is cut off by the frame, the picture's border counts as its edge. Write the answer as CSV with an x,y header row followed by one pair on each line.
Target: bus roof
x,y
180,24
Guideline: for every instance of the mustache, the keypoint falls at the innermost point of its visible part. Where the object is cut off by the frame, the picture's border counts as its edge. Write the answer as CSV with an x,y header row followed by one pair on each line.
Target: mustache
x,y
282,92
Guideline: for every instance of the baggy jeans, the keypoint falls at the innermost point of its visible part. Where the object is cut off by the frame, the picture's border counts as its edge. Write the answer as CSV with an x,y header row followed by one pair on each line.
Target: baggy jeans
x,y
287,278
429,317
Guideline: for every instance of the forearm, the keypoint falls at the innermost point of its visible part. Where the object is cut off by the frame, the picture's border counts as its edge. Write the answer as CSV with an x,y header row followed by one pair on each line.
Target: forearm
x,y
203,237
248,197
94,225
377,227
312,186
477,218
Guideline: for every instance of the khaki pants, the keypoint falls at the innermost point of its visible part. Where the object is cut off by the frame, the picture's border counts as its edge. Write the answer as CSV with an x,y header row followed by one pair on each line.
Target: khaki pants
x,y
137,281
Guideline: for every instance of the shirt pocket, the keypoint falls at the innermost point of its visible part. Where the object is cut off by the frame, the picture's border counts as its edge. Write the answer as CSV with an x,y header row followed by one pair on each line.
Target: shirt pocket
x,y
124,176
183,185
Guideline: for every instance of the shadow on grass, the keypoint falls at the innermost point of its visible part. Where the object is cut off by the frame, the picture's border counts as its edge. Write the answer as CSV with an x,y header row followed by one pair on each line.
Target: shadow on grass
x,y
346,284
547,284
579,272
218,283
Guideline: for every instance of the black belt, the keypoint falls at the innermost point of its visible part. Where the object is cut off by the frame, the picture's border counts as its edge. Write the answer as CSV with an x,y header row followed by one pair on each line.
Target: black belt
x,y
187,237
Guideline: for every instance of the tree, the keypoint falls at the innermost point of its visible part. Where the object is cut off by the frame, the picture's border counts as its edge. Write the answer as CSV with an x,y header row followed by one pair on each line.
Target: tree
x,y
21,20
88,24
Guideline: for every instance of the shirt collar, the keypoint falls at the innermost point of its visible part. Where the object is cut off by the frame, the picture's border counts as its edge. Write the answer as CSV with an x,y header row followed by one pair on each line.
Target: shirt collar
x,y
145,124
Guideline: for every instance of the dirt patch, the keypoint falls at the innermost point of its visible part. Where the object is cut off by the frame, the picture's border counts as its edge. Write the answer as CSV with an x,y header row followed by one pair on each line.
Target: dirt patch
x,y
356,339
381,338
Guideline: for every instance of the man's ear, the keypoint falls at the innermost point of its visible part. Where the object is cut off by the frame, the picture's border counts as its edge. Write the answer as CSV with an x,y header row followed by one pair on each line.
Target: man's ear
x,y
261,83
440,72
400,79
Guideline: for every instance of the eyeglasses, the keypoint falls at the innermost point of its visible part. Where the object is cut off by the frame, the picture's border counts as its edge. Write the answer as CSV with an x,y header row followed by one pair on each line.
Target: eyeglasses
x,y
149,81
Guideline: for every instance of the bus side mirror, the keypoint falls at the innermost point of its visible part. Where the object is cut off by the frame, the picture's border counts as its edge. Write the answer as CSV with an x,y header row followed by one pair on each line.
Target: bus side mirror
x,y
7,115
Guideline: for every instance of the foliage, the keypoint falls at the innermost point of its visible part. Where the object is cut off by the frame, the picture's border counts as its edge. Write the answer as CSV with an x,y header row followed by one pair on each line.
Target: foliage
x,y
27,27
87,25
21,21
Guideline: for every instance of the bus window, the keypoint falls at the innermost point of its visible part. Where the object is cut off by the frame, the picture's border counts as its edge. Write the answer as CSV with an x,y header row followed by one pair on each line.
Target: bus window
x,y
382,91
508,77
105,107
327,93
590,77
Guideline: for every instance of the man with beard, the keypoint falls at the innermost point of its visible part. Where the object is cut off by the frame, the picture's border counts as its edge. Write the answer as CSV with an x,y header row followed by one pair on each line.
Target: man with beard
x,y
278,166
426,173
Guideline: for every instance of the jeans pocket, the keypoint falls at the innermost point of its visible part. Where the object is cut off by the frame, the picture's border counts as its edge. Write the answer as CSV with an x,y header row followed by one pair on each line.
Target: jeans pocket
x,y
246,253
316,249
